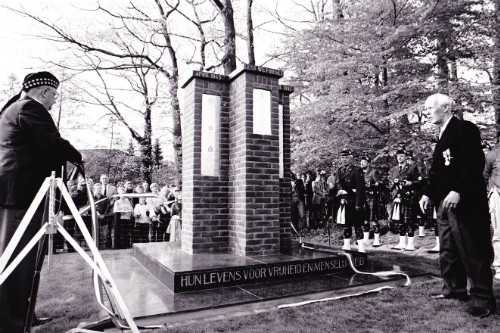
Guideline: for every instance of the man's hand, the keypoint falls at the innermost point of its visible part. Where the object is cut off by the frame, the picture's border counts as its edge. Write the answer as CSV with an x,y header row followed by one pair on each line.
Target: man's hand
x,y
424,203
407,183
451,200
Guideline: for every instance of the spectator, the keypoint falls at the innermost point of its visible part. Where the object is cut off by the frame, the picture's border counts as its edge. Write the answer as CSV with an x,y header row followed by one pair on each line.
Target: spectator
x,y
145,187
175,226
140,232
107,189
298,205
103,217
308,197
331,198
123,211
138,190
129,187
320,192
154,204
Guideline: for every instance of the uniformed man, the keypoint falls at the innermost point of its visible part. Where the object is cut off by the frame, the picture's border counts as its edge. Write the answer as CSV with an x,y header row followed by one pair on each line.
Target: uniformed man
x,y
351,195
403,180
372,182
30,149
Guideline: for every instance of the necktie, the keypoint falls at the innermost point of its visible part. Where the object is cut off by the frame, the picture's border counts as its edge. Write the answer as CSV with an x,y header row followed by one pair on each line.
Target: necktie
x,y
104,190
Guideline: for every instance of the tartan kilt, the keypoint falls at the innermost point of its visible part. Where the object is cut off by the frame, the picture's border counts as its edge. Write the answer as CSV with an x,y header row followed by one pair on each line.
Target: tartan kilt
x,y
372,207
409,208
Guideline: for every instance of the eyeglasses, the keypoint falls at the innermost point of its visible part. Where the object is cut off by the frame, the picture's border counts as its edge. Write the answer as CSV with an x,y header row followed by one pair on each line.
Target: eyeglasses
x,y
54,93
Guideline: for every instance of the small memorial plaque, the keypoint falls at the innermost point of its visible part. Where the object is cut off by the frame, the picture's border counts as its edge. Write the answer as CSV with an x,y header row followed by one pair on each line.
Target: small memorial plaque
x,y
210,129
261,112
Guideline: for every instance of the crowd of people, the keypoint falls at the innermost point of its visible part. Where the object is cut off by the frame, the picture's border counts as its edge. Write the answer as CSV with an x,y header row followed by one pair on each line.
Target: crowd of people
x,y
126,213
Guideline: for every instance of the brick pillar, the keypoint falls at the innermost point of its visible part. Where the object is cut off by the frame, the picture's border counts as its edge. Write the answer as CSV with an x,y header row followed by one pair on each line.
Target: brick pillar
x,y
285,187
254,190
236,185
204,181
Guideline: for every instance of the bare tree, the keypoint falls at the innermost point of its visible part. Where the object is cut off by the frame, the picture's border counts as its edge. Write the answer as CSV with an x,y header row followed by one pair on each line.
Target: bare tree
x,y
250,42
225,8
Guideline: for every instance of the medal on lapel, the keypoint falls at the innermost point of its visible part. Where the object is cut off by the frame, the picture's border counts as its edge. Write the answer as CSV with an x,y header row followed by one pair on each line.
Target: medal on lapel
x,y
447,157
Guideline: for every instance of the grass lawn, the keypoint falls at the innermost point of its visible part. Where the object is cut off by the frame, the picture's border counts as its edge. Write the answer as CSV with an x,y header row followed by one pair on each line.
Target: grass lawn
x,y
66,295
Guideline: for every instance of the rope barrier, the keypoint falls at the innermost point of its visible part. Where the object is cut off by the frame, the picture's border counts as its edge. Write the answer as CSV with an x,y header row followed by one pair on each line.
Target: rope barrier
x,y
382,274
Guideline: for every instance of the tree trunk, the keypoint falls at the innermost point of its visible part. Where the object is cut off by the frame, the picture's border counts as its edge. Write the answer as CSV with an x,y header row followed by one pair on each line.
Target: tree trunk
x,y
250,44
337,9
225,8
147,147
177,132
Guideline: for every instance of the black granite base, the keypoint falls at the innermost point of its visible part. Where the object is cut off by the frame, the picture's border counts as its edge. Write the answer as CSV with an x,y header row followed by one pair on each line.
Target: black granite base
x,y
180,271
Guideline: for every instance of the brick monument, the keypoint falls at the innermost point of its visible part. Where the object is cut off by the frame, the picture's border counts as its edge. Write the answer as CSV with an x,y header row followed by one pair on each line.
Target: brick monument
x,y
236,163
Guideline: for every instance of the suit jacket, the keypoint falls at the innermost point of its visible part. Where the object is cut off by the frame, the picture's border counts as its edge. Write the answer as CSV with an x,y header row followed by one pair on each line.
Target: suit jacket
x,y
298,189
110,190
372,176
319,191
457,165
30,148
352,181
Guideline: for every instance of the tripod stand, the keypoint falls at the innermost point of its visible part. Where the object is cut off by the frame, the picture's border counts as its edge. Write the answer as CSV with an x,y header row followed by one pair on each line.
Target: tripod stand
x,y
102,276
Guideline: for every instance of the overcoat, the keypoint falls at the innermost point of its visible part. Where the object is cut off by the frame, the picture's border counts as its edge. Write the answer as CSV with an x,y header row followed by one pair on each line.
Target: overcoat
x,y
30,148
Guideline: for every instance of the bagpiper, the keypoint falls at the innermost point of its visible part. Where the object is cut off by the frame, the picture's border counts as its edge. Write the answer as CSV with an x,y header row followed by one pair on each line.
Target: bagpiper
x,y
404,179
351,195
371,209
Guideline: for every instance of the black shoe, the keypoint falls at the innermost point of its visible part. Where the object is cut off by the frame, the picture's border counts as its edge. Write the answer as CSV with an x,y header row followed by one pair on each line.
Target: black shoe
x,y
460,297
480,312
38,321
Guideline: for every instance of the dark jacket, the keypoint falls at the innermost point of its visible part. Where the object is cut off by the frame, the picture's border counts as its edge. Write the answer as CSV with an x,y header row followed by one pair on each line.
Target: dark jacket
x,y
464,172
351,180
30,148
409,173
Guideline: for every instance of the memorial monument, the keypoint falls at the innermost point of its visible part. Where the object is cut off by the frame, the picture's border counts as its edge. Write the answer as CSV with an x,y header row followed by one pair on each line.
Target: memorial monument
x,y
235,188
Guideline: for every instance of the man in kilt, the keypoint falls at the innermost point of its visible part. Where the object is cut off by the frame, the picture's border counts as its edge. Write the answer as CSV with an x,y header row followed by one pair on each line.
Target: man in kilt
x,y
372,183
404,180
351,195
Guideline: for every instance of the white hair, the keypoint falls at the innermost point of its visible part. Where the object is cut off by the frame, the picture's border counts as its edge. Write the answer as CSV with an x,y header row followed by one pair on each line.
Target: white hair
x,y
438,100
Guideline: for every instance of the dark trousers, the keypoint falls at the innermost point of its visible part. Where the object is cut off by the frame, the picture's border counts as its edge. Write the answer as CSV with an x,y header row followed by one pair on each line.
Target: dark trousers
x,y
158,230
16,290
140,233
466,251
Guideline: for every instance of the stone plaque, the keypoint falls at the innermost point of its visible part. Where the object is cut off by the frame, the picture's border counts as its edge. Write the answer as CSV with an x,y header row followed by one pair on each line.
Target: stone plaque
x,y
281,148
210,129
261,112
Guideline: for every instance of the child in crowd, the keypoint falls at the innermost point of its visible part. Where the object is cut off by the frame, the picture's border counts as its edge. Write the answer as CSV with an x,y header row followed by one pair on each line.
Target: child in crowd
x,y
123,221
140,232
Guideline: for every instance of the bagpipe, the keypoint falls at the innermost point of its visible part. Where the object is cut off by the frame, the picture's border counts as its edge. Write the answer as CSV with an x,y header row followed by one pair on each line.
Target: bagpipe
x,y
342,208
401,198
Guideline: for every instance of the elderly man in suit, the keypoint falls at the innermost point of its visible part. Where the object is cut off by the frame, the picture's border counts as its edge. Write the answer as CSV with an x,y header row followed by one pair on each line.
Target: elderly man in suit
x,y
458,190
30,149
107,189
